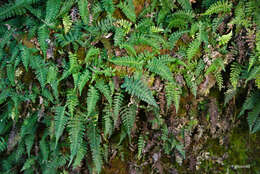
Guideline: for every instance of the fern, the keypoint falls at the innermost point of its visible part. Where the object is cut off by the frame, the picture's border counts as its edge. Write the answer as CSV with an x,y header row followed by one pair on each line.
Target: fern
x,y
174,37
84,14
127,61
83,79
72,101
11,9
104,89
219,7
139,89
185,4
224,39
76,133
52,10
25,57
80,155
117,105
92,99
234,74
193,48
250,103
173,92
128,115
219,80
141,145
3,144
108,6
43,35
94,141
161,69
128,10
107,116
67,22
60,122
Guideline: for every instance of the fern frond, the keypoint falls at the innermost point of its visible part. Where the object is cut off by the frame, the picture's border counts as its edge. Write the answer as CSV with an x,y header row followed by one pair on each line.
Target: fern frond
x,y
104,89
11,9
250,102
224,39
74,65
94,141
107,120
76,134
219,80
60,122
67,22
222,6
43,35
139,89
52,10
193,48
185,4
80,155
84,77
234,74
117,105
128,10
128,115
108,6
141,145
127,61
72,101
92,53
3,144
25,57
92,99
173,94
83,11
174,37
254,119
41,74
161,69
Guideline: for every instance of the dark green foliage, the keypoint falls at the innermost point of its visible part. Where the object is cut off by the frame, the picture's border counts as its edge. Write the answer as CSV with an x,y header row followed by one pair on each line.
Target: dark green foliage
x,y
78,75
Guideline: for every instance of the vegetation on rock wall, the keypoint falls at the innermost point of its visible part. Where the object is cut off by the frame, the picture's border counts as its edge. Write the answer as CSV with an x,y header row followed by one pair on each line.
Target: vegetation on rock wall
x,y
129,86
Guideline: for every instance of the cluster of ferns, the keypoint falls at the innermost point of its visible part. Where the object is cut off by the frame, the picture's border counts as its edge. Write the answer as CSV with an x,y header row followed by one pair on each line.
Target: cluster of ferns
x,y
75,72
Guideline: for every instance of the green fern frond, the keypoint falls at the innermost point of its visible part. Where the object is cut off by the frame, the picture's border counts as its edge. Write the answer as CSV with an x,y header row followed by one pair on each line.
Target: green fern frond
x,y
250,102
174,37
254,119
74,65
161,69
94,141
83,11
127,61
84,77
104,89
11,9
193,48
173,94
128,115
139,89
108,6
67,22
3,144
43,35
52,10
72,101
92,53
185,4
234,74
219,80
80,155
224,39
219,7
117,105
107,120
41,74
93,97
128,9
60,122
141,145
76,134
25,57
